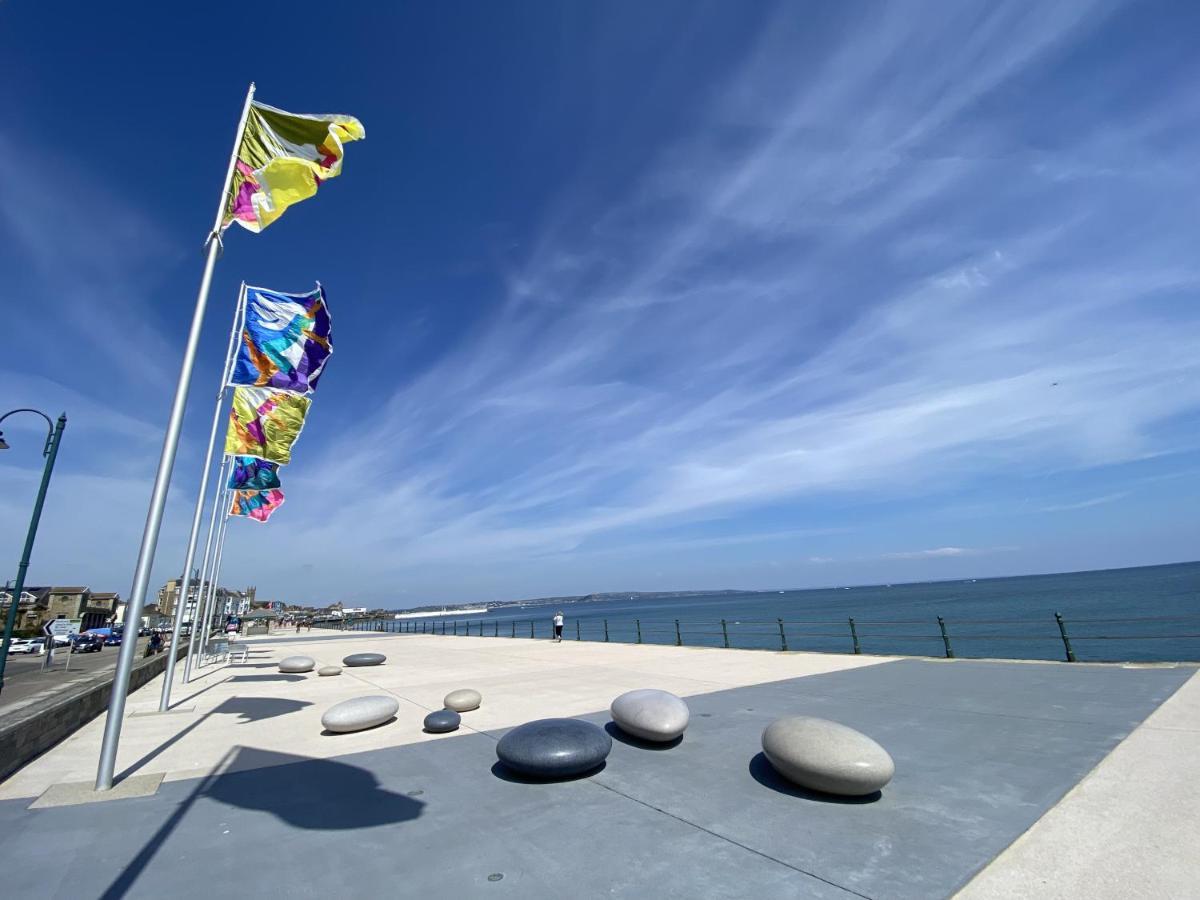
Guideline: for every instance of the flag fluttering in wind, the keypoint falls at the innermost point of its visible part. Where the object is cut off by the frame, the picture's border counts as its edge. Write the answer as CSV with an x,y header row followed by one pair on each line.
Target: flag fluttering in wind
x,y
256,505
265,423
286,340
282,159
252,474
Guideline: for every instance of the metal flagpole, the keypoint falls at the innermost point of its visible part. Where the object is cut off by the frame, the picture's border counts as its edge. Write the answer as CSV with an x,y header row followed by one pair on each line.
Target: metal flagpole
x,y
204,598
214,588
162,482
164,702
202,587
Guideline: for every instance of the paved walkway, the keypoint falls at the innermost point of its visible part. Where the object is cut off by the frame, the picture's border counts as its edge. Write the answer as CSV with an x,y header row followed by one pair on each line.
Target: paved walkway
x,y
984,751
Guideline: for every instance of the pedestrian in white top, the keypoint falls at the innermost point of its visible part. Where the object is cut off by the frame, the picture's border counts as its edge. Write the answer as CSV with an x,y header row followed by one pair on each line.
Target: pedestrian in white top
x,y
558,624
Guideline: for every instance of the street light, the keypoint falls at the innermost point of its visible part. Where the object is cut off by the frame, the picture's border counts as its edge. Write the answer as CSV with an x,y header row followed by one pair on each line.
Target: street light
x,y
49,452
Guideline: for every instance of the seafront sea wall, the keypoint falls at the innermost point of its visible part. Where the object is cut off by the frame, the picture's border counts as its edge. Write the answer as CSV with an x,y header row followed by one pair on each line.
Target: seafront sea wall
x,y
28,732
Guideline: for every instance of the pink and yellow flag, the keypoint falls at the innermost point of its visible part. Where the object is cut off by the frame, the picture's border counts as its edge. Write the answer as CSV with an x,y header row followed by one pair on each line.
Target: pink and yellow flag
x,y
282,160
256,505
265,423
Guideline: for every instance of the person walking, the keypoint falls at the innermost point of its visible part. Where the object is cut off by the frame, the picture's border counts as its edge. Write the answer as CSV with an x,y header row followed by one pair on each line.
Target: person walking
x,y
558,625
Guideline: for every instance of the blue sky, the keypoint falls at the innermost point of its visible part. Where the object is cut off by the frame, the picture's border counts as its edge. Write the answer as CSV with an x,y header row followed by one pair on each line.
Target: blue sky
x,y
625,295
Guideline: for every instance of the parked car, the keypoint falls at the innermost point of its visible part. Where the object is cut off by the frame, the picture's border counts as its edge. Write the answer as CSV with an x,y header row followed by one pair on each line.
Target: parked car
x,y
24,645
88,643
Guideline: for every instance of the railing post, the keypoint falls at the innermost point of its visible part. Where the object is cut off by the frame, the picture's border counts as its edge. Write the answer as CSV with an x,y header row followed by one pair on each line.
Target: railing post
x,y
638,623
606,631
456,627
678,636
496,632
578,637
1062,629
514,627
531,629
854,635
725,633
782,636
945,637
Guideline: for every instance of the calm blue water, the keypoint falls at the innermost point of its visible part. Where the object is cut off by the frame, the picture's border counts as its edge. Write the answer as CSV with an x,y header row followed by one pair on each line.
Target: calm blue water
x,y
1143,614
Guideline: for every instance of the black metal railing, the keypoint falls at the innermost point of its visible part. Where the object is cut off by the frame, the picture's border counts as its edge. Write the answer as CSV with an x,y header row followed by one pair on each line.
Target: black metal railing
x,y
853,635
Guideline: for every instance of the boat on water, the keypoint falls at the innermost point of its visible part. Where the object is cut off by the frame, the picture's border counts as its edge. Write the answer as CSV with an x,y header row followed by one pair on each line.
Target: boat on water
x,y
471,611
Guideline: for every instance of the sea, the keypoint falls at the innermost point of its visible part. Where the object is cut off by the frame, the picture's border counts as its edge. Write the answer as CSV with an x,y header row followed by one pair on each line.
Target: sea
x,y
1145,614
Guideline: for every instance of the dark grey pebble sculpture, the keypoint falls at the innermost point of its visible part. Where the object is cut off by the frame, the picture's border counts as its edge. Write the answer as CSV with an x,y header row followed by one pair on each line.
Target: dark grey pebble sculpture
x,y
827,756
651,715
554,748
442,720
359,713
297,664
363,659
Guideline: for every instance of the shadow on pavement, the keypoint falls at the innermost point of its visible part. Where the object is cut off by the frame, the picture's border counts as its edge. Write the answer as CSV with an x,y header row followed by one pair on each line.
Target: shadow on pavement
x,y
615,732
279,677
319,794
764,773
504,773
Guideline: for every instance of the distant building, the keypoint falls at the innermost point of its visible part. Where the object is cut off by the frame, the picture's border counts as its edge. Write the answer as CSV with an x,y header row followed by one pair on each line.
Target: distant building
x,y
38,605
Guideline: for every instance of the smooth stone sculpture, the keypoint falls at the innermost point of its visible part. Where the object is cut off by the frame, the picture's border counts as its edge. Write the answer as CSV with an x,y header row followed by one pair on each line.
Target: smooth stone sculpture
x,y
329,670
364,659
554,748
827,756
359,713
442,721
295,664
463,700
651,715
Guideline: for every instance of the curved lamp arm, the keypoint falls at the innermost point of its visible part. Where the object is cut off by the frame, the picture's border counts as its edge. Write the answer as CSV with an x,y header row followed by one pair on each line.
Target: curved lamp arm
x,y
49,426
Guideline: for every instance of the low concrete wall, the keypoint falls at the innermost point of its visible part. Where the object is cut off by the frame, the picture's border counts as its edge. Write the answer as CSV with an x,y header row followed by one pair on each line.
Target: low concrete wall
x,y
27,733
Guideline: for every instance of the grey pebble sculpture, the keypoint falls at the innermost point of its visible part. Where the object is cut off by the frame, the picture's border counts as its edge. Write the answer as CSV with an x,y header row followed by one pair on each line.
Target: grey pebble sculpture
x,y
364,659
329,670
651,715
554,748
441,721
827,756
462,700
359,713
297,664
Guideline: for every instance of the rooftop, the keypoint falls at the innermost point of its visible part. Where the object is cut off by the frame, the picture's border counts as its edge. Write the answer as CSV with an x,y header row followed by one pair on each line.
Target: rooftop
x,y
1011,779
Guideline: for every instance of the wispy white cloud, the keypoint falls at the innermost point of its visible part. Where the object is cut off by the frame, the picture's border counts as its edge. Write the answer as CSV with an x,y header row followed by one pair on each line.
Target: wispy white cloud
x,y
1085,504
948,552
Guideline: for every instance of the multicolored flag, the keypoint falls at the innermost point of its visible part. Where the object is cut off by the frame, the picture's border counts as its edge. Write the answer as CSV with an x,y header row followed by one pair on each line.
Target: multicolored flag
x,y
265,423
286,340
256,505
252,474
282,159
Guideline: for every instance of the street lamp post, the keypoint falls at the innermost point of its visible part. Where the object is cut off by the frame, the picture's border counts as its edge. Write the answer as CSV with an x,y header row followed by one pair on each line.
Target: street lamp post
x,y
49,452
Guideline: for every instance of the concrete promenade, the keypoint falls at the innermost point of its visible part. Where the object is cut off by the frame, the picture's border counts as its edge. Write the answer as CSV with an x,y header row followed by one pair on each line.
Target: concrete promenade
x,y
1013,779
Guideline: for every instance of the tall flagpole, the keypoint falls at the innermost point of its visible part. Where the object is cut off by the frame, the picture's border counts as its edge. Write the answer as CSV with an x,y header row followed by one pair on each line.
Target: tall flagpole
x,y
164,702
203,601
202,587
162,482
214,587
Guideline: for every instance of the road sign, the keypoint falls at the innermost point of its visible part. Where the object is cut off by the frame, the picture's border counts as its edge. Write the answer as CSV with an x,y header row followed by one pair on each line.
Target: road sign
x,y
59,627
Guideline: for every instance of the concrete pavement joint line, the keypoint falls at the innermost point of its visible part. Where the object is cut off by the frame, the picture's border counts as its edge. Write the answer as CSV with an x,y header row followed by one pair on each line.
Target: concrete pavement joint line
x,y
729,840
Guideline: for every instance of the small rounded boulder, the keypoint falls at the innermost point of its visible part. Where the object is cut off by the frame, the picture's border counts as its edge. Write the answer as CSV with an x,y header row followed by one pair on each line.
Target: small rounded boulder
x,y
827,756
364,659
463,700
359,713
442,720
329,670
651,715
554,748
297,664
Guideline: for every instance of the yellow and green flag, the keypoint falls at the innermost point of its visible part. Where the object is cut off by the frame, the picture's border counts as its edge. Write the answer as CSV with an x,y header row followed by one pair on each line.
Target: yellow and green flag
x,y
282,159
265,423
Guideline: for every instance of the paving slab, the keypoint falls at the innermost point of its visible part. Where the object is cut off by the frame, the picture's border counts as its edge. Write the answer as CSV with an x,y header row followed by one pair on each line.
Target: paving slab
x,y
983,752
